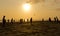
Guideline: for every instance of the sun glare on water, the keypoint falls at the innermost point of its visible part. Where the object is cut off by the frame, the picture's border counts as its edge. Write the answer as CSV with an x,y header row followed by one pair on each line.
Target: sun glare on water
x,y
26,6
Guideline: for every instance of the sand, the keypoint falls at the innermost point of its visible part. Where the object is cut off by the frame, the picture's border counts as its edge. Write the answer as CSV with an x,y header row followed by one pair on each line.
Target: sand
x,y
26,29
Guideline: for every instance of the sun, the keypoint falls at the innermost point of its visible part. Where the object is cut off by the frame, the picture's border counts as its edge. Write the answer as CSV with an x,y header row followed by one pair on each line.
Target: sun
x,y
26,6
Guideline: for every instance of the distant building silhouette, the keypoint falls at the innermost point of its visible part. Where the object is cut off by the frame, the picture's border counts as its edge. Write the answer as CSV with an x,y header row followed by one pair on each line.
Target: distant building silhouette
x,y
4,21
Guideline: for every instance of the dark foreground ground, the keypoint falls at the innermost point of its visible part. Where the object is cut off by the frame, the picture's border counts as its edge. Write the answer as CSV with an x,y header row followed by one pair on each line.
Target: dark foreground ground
x,y
26,29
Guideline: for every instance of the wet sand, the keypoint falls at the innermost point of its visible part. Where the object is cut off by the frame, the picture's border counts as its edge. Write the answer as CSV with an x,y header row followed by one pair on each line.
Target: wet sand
x,y
26,29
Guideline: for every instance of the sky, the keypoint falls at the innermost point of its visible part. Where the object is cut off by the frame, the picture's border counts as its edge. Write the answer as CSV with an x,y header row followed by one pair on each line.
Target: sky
x,y
39,9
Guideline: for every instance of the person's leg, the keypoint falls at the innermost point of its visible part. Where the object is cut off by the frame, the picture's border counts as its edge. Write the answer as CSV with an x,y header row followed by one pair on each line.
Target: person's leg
x,y
4,24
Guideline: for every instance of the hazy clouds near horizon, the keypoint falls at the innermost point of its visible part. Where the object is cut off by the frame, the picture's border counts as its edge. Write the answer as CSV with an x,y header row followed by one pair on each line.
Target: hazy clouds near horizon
x,y
40,9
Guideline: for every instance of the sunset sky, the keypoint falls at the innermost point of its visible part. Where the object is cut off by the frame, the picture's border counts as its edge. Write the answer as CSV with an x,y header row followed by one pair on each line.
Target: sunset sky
x,y
39,9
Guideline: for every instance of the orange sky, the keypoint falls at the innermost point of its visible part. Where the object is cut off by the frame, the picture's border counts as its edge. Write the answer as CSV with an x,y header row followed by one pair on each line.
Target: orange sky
x,y
39,10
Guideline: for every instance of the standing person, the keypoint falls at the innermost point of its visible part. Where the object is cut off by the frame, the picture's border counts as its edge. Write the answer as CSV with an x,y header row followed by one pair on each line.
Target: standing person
x,y
31,21
49,19
27,20
24,20
21,21
3,21
12,21
42,19
54,19
8,20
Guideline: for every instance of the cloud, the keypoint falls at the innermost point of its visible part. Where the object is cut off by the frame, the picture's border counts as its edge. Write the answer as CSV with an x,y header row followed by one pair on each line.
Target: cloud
x,y
57,9
34,1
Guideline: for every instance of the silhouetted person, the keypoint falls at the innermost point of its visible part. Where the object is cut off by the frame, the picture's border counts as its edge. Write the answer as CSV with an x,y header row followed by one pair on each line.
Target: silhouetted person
x,y
12,21
57,20
21,21
49,19
42,19
27,20
24,20
4,21
8,20
31,20
54,19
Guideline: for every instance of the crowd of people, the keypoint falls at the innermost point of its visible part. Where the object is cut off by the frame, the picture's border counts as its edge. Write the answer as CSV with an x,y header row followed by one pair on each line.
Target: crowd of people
x,y
12,21
50,20
22,21
55,19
